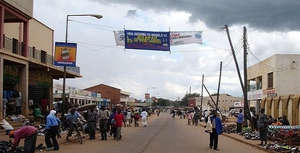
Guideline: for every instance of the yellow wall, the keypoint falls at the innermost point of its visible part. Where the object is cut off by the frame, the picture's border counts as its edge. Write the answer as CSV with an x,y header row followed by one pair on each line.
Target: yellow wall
x,y
40,36
26,6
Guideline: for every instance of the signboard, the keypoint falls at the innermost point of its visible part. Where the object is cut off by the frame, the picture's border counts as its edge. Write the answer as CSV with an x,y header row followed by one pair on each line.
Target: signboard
x,y
185,37
270,93
65,54
176,37
147,40
255,95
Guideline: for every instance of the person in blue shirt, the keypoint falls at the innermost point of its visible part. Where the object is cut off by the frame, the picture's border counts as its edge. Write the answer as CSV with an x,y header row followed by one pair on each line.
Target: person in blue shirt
x,y
240,121
52,126
217,129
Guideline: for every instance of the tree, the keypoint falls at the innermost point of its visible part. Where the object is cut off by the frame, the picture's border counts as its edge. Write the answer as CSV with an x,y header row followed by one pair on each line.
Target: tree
x,y
185,99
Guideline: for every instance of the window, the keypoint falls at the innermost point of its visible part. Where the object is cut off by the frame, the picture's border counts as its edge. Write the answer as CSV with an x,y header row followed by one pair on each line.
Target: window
x,y
259,82
270,80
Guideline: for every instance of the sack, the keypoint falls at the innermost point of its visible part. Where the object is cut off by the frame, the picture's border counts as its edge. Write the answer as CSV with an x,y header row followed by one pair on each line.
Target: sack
x,y
208,127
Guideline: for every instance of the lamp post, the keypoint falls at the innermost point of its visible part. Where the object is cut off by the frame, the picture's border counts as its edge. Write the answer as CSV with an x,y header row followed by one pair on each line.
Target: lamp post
x,y
66,41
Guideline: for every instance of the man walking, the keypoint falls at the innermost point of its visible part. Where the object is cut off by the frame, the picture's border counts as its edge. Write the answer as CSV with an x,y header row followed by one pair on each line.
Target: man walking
x,y
92,121
240,121
216,130
144,115
52,126
103,116
119,118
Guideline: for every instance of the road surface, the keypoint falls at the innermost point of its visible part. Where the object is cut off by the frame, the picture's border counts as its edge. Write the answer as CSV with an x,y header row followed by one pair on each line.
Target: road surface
x,y
164,135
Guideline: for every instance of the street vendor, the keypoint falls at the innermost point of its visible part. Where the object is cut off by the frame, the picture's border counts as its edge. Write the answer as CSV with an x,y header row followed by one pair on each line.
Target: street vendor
x,y
27,132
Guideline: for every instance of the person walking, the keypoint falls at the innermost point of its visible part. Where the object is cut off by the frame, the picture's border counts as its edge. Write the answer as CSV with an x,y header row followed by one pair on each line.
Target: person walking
x,y
112,123
92,118
217,129
103,121
52,126
136,119
144,116
239,121
262,125
29,133
128,118
119,118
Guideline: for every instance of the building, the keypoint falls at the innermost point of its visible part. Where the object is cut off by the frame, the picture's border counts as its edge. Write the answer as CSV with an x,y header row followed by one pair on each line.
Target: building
x,y
274,85
125,99
226,101
26,57
108,92
76,96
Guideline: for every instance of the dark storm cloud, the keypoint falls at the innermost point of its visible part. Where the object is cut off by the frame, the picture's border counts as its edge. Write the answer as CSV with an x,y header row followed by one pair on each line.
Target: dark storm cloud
x,y
268,15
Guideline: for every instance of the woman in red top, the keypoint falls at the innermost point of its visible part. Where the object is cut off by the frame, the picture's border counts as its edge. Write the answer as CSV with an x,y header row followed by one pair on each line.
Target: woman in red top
x,y
119,118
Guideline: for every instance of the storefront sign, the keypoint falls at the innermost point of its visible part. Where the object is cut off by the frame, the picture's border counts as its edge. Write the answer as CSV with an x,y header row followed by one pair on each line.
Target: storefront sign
x,y
270,93
147,40
255,95
65,54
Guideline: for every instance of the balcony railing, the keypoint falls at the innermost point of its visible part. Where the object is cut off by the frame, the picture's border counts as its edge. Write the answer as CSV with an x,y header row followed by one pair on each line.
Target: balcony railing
x,y
40,56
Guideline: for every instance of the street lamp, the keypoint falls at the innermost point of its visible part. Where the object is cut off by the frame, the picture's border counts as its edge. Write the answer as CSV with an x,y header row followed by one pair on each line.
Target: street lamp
x,y
97,16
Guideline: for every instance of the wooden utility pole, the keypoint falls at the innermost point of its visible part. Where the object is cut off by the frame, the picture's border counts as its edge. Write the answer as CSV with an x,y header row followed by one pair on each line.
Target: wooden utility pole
x,y
219,86
201,93
210,96
246,105
234,57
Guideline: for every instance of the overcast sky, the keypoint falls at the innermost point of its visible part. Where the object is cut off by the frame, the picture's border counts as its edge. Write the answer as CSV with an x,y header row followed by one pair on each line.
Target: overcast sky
x,y
273,27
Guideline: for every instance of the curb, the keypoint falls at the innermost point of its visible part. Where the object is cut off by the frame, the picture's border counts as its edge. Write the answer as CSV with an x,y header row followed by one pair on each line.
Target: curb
x,y
244,142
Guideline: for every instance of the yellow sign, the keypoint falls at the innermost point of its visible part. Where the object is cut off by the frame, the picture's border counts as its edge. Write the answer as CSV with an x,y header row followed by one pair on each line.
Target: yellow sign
x,y
65,54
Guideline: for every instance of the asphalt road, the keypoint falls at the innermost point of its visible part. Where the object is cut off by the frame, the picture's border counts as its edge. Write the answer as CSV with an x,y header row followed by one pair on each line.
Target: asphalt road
x,y
163,135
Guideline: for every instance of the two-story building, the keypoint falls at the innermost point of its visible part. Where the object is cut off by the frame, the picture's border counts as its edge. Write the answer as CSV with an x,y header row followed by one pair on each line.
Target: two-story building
x,y
26,58
274,85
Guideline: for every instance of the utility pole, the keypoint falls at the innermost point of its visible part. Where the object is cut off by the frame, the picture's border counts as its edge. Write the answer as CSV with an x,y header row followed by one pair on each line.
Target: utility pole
x,y
201,93
234,57
246,107
190,90
219,86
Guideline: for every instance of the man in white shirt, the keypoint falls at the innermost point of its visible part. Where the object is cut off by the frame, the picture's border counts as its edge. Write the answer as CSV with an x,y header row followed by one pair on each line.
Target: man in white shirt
x,y
144,115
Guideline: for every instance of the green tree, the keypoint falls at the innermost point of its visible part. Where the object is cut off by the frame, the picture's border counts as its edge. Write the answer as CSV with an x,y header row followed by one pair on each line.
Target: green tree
x,y
185,99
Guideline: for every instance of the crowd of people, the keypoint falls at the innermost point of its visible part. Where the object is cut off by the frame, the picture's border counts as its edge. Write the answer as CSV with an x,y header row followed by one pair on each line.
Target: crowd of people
x,y
108,121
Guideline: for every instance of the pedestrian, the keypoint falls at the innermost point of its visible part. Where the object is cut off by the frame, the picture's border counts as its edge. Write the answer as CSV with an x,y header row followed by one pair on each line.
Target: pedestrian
x,y
239,121
18,103
103,121
128,118
28,133
92,118
262,125
217,129
5,102
144,116
190,117
51,131
196,117
136,119
112,123
119,118
125,115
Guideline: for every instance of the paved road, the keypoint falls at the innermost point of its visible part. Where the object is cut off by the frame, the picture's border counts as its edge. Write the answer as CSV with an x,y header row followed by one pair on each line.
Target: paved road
x,y
164,135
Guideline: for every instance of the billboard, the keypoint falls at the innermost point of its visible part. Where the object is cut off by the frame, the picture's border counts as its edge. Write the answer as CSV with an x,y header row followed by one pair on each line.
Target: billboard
x,y
185,37
65,54
147,40
176,37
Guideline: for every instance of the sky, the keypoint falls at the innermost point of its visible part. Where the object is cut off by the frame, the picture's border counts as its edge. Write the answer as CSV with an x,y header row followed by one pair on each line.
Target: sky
x,y
273,28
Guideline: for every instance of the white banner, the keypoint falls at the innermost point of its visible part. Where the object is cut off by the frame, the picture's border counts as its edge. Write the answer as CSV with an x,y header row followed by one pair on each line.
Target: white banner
x,y
120,38
185,37
177,37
